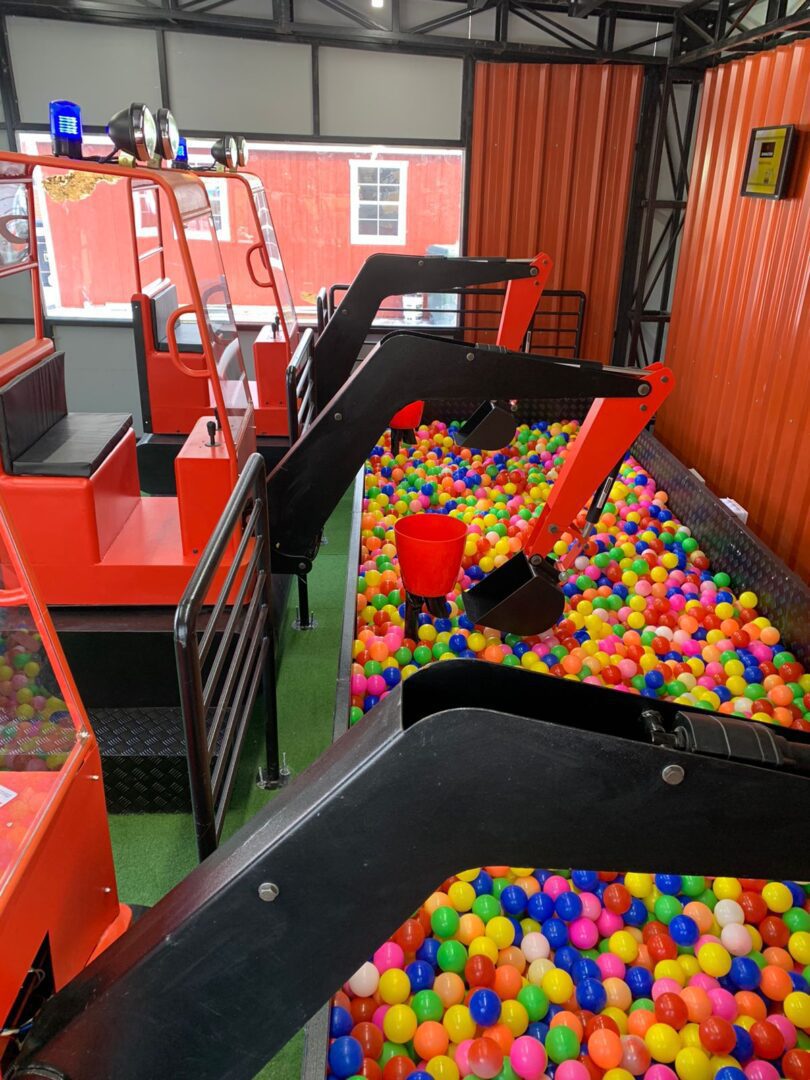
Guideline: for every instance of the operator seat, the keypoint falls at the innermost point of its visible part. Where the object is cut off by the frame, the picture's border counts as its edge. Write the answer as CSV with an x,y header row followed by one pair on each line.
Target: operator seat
x,y
39,437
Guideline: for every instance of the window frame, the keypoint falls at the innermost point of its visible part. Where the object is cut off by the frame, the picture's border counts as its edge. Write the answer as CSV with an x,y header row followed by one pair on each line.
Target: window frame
x,y
356,238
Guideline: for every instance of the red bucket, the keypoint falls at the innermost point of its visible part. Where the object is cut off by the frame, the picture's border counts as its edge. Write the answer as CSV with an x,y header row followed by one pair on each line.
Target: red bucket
x,y
430,548
408,417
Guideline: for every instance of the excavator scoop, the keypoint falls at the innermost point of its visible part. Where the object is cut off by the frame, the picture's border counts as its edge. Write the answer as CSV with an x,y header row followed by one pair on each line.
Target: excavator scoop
x,y
521,597
489,428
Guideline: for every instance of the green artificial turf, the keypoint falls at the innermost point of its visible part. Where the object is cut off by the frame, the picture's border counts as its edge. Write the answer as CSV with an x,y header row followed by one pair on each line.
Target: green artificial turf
x,y
155,851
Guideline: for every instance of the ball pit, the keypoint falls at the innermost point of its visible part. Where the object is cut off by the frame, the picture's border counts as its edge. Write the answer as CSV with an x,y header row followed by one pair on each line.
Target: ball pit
x,y
644,613
36,736
580,975
505,1003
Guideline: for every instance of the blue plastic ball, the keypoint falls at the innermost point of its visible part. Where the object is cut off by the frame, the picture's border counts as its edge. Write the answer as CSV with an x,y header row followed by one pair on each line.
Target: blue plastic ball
x,y
485,1007
683,930
428,950
640,981
345,1056
513,900
568,906
540,907
340,1022
591,995
745,973
421,974
556,932
666,883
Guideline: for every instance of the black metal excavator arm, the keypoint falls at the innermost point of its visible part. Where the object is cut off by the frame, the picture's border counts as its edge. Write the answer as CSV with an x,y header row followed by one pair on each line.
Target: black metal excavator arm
x,y
311,478
465,764
383,275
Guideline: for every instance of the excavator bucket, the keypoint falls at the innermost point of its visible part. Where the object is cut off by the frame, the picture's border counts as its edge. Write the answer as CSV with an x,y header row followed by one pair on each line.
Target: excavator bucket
x,y
489,428
521,597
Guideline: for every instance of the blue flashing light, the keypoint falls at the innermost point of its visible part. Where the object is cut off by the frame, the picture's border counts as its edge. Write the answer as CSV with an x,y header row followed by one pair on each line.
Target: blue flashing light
x,y
66,128
181,157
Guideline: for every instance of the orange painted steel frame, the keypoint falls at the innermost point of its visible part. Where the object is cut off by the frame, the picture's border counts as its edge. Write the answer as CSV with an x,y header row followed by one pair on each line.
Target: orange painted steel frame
x,y
612,424
519,305
116,547
62,886
176,403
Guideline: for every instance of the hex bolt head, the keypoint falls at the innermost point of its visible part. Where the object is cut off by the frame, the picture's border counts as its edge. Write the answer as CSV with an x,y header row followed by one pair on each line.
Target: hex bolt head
x,y
268,891
672,774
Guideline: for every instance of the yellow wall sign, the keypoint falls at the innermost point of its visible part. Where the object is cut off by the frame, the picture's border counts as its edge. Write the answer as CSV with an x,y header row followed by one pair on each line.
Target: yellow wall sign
x,y
768,163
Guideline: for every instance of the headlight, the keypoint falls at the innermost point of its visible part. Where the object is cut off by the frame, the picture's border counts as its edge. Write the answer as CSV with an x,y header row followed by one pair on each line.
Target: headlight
x,y
242,151
168,135
133,130
224,151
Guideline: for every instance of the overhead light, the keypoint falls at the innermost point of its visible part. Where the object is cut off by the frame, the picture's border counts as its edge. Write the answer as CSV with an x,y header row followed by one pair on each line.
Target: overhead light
x,y
242,151
66,129
133,130
225,152
168,135
378,3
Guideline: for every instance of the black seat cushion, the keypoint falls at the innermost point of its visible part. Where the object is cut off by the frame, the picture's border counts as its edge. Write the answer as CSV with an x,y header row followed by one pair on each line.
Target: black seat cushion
x,y
30,405
75,446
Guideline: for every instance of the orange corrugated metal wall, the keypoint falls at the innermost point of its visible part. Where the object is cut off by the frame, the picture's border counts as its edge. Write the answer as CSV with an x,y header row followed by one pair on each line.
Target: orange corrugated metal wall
x,y
551,166
739,340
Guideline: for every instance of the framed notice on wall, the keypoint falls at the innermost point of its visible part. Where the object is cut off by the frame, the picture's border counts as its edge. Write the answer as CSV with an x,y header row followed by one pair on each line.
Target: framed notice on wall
x,y
767,166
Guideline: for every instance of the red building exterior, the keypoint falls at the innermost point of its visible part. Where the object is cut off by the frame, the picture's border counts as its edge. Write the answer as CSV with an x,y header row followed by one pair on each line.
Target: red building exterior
x,y
315,212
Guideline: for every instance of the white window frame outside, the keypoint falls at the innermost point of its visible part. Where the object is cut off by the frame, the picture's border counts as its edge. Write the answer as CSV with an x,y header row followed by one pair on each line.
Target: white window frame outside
x,y
395,240
223,229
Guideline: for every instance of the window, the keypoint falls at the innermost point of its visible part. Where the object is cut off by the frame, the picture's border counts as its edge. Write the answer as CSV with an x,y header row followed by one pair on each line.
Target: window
x,y
218,198
378,201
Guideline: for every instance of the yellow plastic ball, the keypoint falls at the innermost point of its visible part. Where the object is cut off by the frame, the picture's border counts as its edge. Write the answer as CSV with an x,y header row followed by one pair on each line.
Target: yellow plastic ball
x,y
514,1015
799,946
726,888
748,599
618,1016
442,1067
558,985
618,1074
458,1023
399,1024
670,969
501,931
692,1063
638,885
797,1008
663,1042
624,946
484,946
690,1035
714,960
778,897
461,894
469,875
395,986
723,1061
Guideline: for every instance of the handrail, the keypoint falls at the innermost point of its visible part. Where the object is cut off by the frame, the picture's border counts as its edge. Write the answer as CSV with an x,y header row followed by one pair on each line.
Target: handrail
x,y
220,679
300,387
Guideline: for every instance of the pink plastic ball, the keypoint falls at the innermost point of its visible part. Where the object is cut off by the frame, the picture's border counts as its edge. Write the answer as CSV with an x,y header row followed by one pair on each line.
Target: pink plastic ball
x,y
583,933
664,986
379,1015
723,1004
528,1058
389,955
787,1029
761,1070
662,1072
572,1070
591,905
462,1057
609,922
611,966
556,884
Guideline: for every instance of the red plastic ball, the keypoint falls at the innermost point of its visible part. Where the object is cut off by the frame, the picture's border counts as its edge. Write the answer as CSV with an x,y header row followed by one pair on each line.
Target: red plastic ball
x,y
410,936
754,907
485,1058
796,1064
774,931
617,899
370,1038
717,1035
662,947
768,1040
671,1009
479,971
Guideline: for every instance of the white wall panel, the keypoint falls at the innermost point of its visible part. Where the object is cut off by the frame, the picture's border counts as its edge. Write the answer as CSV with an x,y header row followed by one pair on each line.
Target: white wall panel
x,y
102,68
389,95
240,85
100,370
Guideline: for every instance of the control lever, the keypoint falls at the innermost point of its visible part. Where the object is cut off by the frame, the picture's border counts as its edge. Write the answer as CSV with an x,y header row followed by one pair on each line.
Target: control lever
x,y
211,427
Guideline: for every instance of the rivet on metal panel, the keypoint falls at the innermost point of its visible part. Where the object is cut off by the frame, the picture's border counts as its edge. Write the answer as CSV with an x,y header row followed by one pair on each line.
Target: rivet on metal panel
x,y
470,356
268,891
672,774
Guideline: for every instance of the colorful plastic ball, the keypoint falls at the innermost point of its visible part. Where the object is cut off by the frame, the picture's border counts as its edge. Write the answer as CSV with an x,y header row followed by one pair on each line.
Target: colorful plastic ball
x,y
691,1063
717,1035
427,1005
528,1058
683,930
636,1058
442,1067
394,986
485,1058
714,960
430,1039
452,956
365,980
797,1008
345,1056
769,1043
340,1022
663,1042
485,1007
605,1049
458,1023
796,1065
561,1044
399,1024
558,986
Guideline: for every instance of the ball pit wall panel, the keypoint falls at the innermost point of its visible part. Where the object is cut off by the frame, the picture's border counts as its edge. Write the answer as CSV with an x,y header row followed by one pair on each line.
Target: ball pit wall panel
x,y
740,317
550,169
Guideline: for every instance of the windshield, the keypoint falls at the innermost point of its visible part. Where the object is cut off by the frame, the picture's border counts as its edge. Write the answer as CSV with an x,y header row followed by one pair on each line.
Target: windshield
x,y
283,291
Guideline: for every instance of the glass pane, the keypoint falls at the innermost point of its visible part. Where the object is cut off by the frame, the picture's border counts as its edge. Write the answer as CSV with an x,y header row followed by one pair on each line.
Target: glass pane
x,y
283,291
37,730
367,211
389,194
367,175
367,192
367,228
389,213
389,176
388,228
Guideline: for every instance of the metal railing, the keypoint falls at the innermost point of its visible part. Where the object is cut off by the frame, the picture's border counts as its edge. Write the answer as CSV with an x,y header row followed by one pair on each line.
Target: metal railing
x,y
471,313
225,655
300,414
300,387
